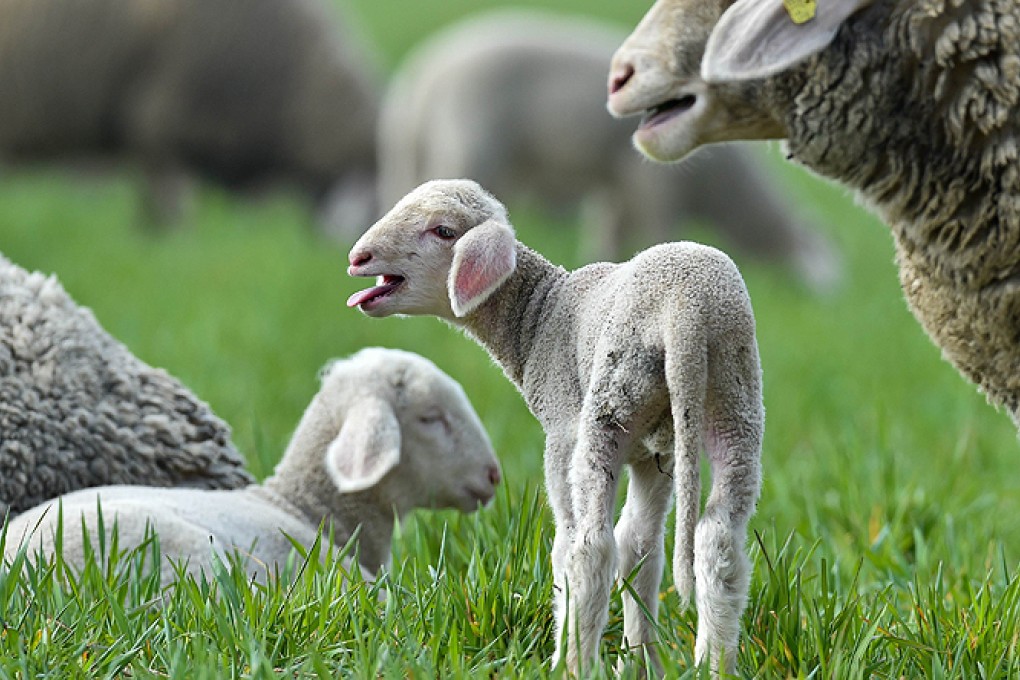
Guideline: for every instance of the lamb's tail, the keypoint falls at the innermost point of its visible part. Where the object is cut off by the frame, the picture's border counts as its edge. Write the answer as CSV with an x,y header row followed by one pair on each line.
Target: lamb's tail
x,y
687,378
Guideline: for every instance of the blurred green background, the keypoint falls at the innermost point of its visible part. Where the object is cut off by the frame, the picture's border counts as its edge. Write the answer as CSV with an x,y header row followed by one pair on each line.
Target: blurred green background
x,y
872,440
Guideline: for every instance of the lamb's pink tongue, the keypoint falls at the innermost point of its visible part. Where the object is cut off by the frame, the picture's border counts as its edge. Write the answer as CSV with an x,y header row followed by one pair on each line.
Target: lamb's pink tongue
x,y
365,295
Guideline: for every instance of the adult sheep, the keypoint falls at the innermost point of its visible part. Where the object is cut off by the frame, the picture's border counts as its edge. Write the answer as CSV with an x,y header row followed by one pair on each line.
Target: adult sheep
x,y
78,409
513,99
388,432
645,364
914,104
245,92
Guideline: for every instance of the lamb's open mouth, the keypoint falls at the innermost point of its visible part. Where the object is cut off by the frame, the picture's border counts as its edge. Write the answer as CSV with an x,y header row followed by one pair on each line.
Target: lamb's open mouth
x,y
385,285
668,109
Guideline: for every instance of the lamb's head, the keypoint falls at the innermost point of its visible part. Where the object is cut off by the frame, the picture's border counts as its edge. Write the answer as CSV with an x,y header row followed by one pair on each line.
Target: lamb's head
x,y
695,68
443,249
408,433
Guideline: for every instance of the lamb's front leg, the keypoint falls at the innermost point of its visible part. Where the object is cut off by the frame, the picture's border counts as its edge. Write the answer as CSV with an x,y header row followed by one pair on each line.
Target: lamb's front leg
x,y
591,559
639,539
558,450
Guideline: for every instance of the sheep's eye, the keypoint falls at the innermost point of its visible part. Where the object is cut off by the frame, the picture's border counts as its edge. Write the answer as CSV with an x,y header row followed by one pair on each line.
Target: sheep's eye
x,y
444,232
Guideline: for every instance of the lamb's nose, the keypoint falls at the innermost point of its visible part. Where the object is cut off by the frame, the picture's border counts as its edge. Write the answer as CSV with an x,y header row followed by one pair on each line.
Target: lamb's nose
x,y
495,475
359,258
619,77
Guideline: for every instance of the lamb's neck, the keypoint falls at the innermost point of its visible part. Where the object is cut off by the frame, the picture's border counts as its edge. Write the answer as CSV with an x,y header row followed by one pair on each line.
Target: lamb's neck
x,y
301,485
507,322
919,137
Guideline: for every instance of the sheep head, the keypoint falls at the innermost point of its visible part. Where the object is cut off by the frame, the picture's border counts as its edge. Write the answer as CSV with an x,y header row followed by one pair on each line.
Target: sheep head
x,y
694,69
442,250
407,434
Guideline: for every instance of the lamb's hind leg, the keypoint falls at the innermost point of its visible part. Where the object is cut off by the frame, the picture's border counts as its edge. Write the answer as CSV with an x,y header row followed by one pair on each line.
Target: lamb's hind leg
x,y
721,564
591,558
733,440
639,539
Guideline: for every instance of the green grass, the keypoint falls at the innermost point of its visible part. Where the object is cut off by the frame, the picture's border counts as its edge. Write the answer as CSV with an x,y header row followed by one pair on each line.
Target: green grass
x,y
885,543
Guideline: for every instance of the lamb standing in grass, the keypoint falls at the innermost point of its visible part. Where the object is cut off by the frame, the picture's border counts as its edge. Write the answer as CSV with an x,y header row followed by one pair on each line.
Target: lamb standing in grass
x,y
641,364
78,409
914,104
388,432
513,99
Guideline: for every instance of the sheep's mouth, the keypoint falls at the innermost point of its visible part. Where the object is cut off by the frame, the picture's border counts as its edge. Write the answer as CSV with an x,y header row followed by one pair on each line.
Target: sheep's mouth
x,y
478,498
664,111
367,299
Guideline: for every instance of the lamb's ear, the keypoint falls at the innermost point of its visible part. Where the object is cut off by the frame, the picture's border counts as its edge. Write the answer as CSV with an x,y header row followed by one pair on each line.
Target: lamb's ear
x,y
367,447
483,259
759,38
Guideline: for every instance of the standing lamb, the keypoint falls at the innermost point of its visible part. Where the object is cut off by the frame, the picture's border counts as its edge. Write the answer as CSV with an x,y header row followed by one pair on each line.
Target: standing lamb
x,y
241,91
77,409
641,364
388,432
513,99
914,104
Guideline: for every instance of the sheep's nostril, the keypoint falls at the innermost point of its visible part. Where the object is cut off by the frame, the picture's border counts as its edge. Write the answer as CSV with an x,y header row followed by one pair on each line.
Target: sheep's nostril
x,y
495,475
358,259
619,77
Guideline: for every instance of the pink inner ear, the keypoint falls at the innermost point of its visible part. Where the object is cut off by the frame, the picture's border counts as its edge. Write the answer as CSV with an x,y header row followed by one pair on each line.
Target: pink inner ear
x,y
473,279
483,259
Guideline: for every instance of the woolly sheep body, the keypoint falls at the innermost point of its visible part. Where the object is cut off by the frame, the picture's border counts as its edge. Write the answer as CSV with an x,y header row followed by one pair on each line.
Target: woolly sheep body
x,y
79,410
636,364
241,92
916,105
387,432
513,99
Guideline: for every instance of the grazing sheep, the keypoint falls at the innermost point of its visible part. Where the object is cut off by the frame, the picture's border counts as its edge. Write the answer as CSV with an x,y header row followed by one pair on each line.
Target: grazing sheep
x,y
641,364
77,409
916,105
240,91
388,432
513,99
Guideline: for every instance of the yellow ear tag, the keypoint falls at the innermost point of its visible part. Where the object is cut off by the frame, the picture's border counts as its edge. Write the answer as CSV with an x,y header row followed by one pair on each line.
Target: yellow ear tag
x,y
800,11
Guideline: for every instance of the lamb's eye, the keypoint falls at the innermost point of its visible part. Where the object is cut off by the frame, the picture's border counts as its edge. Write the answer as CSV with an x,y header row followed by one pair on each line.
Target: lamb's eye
x,y
444,232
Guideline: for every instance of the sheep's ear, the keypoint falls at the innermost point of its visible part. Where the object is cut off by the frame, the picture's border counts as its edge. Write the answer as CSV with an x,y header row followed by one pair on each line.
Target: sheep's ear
x,y
483,259
367,447
759,38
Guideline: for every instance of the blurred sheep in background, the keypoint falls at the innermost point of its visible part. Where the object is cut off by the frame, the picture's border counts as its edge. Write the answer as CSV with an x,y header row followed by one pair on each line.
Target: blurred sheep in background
x,y
515,99
244,92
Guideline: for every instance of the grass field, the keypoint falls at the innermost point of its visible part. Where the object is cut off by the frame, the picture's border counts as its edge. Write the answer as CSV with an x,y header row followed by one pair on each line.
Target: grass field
x,y
885,544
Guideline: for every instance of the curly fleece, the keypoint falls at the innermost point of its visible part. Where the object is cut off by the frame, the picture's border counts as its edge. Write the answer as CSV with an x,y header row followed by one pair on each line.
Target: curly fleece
x,y
77,409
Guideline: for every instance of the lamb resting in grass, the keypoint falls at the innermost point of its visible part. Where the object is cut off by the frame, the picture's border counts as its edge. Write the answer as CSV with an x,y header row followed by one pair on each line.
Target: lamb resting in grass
x,y
513,99
915,104
641,364
78,409
388,432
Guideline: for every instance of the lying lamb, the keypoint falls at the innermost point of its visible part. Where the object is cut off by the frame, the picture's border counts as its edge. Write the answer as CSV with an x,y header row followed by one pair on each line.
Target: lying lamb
x,y
915,104
388,432
244,92
641,364
78,409
513,99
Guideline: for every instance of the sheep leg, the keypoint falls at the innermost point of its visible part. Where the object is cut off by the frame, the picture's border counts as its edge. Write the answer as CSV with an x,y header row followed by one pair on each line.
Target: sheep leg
x,y
640,537
721,564
591,559
557,483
